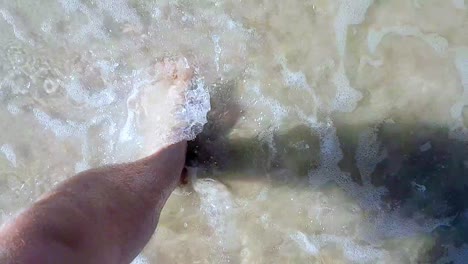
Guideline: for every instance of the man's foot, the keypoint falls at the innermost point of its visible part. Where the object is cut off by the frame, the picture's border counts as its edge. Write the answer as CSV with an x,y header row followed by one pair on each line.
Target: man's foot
x,y
176,76
163,103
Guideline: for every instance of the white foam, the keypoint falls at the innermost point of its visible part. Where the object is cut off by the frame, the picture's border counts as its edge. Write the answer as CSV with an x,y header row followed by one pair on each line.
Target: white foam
x,y
219,208
13,109
60,128
194,113
9,153
369,61
404,227
94,27
128,131
70,6
346,97
368,196
458,129
330,156
107,68
140,260
293,79
350,12
218,50
437,42
355,10
304,242
279,111
461,63
353,251
46,26
120,11
77,93
368,153
298,80
17,26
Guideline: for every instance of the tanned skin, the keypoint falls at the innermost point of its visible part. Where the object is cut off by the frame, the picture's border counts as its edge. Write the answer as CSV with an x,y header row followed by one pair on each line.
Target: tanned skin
x,y
104,215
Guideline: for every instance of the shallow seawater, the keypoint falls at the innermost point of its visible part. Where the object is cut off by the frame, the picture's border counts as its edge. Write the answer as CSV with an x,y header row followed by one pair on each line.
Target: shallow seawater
x,y
338,130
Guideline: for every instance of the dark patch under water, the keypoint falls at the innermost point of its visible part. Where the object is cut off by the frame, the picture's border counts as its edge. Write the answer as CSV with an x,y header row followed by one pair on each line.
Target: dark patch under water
x,y
425,171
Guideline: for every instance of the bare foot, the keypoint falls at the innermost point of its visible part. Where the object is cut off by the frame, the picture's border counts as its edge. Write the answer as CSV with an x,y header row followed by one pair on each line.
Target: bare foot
x,y
163,103
176,76
174,72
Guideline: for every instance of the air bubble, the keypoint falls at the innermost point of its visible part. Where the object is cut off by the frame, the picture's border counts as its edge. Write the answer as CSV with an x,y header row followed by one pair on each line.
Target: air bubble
x,y
50,86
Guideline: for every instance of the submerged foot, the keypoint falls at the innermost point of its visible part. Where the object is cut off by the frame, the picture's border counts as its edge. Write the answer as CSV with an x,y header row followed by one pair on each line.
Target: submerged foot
x,y
163,103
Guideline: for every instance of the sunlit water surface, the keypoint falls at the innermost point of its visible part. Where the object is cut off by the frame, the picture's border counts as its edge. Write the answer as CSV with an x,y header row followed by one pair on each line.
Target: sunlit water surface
x,y
347,142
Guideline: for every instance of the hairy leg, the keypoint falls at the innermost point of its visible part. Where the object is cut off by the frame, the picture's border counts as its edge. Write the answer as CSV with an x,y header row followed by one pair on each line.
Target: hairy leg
x,y
104,215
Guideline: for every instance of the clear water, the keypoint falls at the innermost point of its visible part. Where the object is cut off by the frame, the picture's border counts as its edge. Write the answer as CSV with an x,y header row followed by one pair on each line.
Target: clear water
x,y
343,124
